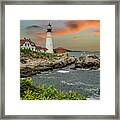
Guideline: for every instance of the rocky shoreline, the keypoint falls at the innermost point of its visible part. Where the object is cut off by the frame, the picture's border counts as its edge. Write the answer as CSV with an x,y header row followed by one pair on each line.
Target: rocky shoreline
x,y
90,62
30,66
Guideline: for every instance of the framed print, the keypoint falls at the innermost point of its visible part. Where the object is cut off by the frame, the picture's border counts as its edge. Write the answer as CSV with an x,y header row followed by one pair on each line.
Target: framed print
x,y
60,60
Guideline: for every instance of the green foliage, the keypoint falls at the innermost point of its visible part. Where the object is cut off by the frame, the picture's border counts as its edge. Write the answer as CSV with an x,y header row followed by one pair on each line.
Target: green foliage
x,y
50,56
35,54
30,92
29,53
25,51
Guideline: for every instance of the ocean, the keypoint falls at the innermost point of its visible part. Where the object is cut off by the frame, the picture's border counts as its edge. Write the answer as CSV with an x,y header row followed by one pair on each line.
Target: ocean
x,y
86,82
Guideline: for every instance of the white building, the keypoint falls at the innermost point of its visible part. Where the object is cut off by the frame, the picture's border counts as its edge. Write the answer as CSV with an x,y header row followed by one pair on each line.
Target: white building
x,y
27,44
49,41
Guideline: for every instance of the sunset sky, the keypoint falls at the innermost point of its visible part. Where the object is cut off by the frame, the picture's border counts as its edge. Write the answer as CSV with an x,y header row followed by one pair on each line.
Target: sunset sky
x,y
69,34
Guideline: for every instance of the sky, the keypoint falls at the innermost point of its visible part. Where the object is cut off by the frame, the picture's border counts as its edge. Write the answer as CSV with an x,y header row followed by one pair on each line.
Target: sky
x,y
81,35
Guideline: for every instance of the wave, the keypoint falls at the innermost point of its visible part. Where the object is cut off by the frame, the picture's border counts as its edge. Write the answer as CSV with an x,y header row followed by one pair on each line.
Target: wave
x,y
85,84
64,82
76,83
63,71
83,69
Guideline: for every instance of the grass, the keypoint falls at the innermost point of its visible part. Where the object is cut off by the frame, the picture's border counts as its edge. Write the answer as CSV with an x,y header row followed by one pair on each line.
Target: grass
x,y
30,92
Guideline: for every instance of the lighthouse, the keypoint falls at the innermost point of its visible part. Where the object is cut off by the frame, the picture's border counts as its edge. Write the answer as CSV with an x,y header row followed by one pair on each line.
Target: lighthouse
x,y
49,41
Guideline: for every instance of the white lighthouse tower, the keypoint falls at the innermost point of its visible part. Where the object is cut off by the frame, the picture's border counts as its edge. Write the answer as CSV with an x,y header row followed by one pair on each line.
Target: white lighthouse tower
x,y
49,42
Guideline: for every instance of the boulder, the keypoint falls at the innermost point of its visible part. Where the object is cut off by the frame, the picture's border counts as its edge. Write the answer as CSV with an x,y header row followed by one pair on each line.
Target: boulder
x,y
91,62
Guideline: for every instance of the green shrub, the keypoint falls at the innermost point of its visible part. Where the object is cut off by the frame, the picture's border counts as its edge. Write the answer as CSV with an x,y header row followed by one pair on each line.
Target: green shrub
x,y
30,92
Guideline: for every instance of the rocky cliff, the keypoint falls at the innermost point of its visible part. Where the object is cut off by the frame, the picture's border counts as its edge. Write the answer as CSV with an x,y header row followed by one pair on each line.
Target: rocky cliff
x,y
32,64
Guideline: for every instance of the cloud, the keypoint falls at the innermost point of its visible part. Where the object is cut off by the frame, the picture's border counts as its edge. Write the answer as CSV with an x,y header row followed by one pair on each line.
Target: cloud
x,y
37,37
36,33
34,27
41,34
76,38
76,26
71,27
40,38
84,27
83,24
85,34
95,33
79,37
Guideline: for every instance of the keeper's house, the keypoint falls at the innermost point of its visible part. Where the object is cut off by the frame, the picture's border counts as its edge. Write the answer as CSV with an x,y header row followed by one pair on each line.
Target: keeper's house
x,y
27,44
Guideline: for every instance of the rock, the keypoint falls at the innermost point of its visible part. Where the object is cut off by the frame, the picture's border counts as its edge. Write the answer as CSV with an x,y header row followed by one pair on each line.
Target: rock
x,y
91,62
34,66
31,66
23,61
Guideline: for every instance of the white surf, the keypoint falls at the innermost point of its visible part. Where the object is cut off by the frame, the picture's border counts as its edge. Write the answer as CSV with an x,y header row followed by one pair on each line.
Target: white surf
x,y
63,71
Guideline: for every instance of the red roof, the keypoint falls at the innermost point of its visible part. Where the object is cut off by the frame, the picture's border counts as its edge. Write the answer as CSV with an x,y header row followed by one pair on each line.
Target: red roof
x,y
38,47
45,49
59,48
22,41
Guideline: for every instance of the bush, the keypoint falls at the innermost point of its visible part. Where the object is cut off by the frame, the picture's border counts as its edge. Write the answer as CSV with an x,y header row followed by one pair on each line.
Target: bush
x,y
25,51
30,92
